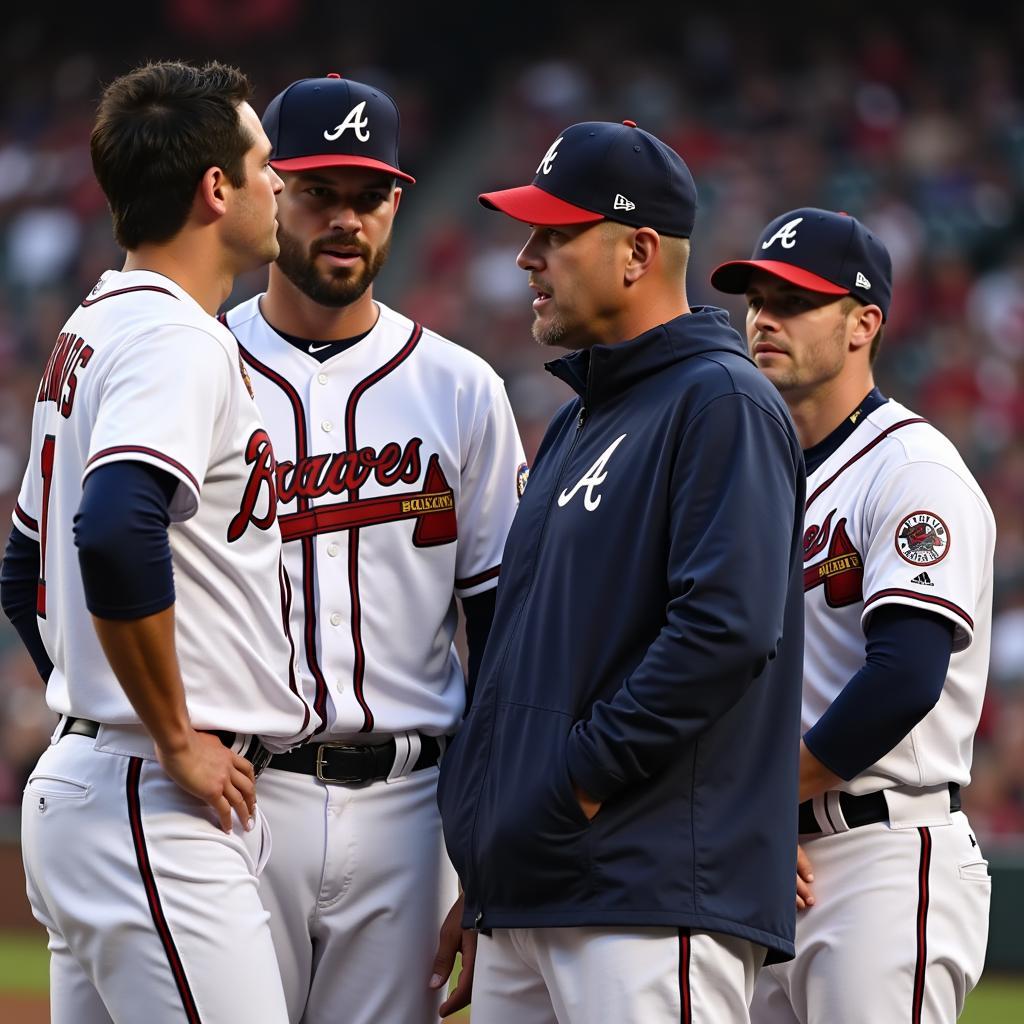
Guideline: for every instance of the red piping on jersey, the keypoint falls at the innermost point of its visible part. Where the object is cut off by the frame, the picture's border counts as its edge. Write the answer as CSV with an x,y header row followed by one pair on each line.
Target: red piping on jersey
x,y
125,291
685,1010
308,551
926,598
31,523
139,449
286,614
480,577
359,660
153,897
878,440
922,925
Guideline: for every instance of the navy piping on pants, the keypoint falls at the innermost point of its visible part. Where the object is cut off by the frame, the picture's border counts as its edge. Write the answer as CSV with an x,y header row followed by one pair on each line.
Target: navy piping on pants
x,y
153,897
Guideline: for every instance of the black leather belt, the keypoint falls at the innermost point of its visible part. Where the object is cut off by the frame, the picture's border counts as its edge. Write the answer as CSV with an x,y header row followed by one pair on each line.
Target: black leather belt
x,y
862,810
346,764
255,753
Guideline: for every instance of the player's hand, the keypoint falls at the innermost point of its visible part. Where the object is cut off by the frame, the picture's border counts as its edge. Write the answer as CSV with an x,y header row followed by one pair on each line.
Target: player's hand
x,y
804,877
207,769
455,939
588,805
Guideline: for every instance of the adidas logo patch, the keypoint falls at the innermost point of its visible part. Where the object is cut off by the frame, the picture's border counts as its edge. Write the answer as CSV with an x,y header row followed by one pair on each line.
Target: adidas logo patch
x,y
923,580
862,281
622,203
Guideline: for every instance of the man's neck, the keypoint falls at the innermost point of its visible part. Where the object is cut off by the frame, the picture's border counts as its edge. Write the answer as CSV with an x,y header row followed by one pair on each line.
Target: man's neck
x,y
817,413
189,266
293,312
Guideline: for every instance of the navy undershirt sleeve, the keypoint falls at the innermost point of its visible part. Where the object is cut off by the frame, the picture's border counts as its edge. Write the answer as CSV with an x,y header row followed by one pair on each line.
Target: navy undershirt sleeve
x,y
479,612
121,535
19,580
908,652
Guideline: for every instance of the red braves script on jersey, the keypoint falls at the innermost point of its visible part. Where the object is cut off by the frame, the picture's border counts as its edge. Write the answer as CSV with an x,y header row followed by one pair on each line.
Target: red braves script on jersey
x,y
397,475
104,397
895,517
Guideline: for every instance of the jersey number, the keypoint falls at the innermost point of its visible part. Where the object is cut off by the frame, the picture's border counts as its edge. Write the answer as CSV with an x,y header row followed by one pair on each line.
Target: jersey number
x,y
46,464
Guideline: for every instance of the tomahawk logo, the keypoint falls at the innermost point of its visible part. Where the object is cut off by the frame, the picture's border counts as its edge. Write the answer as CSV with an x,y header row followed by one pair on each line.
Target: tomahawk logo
x,y
354,119
594,477
544,167
786,235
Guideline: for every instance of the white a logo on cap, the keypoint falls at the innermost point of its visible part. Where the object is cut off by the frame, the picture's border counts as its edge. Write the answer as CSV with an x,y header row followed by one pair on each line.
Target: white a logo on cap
x,y
354,119
544,167
786,234
862,281
622,203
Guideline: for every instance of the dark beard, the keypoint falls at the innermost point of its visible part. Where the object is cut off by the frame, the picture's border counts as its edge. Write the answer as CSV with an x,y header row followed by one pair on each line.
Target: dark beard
x,y
300,268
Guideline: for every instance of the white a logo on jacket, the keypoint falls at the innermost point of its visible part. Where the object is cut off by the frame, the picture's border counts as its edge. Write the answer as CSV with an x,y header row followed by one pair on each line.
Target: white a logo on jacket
x,y
594,477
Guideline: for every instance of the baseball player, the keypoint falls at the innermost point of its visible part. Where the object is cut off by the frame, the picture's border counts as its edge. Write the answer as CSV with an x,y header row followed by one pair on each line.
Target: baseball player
x,y
898,542
398,463
156,582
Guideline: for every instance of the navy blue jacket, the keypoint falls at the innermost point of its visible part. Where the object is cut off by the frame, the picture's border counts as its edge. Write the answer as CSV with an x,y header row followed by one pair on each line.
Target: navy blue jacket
x,y
647,644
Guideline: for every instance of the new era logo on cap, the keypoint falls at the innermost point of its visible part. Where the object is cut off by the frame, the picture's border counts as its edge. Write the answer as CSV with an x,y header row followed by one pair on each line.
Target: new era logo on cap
x,y
821,251
598,170
333,122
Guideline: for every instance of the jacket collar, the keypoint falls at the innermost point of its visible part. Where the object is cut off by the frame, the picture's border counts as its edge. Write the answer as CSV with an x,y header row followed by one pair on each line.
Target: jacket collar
x,y
598,372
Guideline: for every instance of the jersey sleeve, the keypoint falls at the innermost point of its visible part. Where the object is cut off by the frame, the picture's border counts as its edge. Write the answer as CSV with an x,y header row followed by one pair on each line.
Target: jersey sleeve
x,y
931,544
163,402
493,477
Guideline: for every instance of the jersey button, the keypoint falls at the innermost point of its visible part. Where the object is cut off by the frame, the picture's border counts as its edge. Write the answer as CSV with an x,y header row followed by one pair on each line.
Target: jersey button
x,y
332,550
335,619
322,377
327,426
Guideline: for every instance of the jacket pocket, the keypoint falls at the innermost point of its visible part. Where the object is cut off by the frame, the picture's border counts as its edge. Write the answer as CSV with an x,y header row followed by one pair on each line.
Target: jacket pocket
x,y
532,848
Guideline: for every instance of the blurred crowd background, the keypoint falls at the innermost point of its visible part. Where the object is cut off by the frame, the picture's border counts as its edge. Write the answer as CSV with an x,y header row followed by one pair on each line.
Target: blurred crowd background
x,y
911,119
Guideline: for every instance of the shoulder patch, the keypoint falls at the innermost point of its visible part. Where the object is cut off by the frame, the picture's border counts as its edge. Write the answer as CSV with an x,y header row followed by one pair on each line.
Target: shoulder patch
x,y
922,538
522,476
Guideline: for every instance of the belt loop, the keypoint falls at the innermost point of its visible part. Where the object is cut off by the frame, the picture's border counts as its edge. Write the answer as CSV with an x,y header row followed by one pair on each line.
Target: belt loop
x,y
407,751
58,731
834,810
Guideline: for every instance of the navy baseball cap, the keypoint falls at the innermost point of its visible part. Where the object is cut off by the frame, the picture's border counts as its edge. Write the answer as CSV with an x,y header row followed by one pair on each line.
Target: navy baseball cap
x,y
818,250
333,122
600,170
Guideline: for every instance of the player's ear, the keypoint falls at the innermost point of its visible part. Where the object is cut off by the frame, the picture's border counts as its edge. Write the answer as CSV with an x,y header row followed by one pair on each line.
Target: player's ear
x,y
398,196
867,322
211,193
645,244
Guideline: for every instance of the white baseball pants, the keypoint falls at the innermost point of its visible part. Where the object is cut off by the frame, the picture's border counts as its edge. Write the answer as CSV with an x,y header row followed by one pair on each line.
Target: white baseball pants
x,y
357,887
630,976
897,933
153,912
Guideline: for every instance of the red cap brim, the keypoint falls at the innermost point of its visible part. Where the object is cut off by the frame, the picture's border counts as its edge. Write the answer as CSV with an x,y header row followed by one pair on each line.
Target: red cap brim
x,y
532,205
311,163
733,277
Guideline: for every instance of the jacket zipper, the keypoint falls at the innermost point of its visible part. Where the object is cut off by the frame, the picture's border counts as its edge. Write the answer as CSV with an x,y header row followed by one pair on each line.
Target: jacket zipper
x,y
478,920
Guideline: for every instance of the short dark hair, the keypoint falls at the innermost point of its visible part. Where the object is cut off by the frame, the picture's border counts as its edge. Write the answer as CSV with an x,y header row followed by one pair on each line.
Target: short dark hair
x,y
158,130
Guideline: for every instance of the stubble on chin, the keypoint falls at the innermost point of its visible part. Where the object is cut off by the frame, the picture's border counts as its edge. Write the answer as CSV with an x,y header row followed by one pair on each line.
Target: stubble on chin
x,y
549,332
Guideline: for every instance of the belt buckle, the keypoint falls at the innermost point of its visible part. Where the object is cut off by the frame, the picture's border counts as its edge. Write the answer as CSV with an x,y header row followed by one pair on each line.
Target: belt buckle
x,y
341,780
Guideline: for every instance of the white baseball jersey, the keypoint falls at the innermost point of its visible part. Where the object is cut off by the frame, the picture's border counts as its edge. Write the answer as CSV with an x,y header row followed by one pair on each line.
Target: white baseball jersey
x,y
895,517
142,373
399,466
